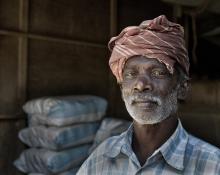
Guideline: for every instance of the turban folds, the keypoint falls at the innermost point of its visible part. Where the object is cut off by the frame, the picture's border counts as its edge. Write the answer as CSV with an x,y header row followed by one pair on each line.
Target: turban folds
x,y
157,38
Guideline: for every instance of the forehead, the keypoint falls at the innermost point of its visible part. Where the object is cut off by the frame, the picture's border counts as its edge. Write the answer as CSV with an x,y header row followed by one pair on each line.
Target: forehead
x,y
139,61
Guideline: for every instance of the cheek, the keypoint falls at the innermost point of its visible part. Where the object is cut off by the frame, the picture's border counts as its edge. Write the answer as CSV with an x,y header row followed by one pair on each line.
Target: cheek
x,y
126,89
165,88
163,92
125,92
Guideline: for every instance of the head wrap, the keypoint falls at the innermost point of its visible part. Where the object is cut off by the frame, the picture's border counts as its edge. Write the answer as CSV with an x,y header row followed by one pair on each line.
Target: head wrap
x,y
157,38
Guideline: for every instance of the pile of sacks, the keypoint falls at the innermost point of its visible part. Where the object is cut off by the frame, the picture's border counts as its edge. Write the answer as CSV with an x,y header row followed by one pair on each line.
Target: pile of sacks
x,y
109,127
60,133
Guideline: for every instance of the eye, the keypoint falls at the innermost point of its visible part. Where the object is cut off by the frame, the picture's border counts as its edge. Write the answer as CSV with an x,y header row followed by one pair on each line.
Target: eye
x,y
129,75
159,73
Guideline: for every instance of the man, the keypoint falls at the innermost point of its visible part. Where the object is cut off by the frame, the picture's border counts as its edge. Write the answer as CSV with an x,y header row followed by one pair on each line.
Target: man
x,y
151,65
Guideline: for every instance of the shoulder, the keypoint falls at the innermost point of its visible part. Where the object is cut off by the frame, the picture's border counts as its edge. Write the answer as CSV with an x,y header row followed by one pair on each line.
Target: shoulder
x,y
111,144
201,147
98,157
203,156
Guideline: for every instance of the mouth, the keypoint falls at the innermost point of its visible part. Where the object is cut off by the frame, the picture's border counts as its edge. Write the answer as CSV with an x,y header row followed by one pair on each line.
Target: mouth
x,y
147,104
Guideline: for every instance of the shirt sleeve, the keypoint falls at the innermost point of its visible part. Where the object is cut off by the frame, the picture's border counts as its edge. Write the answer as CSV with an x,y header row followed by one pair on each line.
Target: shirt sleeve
x,y
83,170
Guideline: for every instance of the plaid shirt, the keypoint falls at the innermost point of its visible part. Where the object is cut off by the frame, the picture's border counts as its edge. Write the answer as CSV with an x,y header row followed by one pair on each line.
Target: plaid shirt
x,y
182,153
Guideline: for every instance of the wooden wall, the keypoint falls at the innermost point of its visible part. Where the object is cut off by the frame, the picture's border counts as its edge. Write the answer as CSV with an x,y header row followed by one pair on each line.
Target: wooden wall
x,y
59,47
11,118
50,47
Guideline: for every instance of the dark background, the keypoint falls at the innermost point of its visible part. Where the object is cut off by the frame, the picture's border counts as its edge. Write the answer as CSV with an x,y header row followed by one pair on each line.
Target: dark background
x,y
59,47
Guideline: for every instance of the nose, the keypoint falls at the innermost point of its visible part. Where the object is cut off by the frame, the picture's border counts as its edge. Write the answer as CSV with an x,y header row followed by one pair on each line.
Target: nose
x,y
143,84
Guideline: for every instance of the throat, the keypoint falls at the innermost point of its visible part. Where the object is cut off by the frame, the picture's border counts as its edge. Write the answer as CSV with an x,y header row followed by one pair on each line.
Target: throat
x,y
148,138
143,152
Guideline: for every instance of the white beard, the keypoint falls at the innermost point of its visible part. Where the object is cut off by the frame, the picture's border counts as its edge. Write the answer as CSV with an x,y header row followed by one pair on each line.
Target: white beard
x,y
165,107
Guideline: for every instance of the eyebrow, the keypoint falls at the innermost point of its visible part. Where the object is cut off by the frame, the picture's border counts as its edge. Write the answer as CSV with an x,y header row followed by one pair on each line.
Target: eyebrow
x,y
150,66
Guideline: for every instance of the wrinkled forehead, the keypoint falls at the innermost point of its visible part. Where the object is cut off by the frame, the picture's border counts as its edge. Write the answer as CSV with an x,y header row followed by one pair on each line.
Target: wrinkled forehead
x,y
140,60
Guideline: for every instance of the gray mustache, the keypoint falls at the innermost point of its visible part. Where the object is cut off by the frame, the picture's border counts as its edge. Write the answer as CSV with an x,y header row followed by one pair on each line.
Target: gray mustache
x,y
145,97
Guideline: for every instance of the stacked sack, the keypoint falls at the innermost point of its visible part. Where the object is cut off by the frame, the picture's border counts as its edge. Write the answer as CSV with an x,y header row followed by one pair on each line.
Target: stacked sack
x,y
60,132
109,127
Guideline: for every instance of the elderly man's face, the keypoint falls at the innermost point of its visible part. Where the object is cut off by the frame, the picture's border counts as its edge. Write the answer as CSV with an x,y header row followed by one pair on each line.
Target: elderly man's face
x,y
149,90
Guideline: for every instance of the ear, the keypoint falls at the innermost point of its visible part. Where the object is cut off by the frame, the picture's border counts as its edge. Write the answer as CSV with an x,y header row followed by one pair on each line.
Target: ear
x,y
120,85
183,90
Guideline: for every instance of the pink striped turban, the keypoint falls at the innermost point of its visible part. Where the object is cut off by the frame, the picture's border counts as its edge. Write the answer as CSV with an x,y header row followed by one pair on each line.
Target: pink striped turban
x,y
157,38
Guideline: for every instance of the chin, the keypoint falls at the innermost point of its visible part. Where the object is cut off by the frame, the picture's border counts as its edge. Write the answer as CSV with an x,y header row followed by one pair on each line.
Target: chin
x,y
153,121
147,118
150,117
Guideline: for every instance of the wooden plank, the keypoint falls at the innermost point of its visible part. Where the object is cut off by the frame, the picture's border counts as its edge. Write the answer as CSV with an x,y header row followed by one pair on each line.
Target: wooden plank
x,y
17,116
82,20
9,14
49,38
22,53
8,74
10,146
204,93
112,80
113,17
62,69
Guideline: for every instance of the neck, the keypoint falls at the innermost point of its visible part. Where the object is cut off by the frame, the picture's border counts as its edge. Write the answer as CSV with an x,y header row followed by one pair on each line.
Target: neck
x,y
148,138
